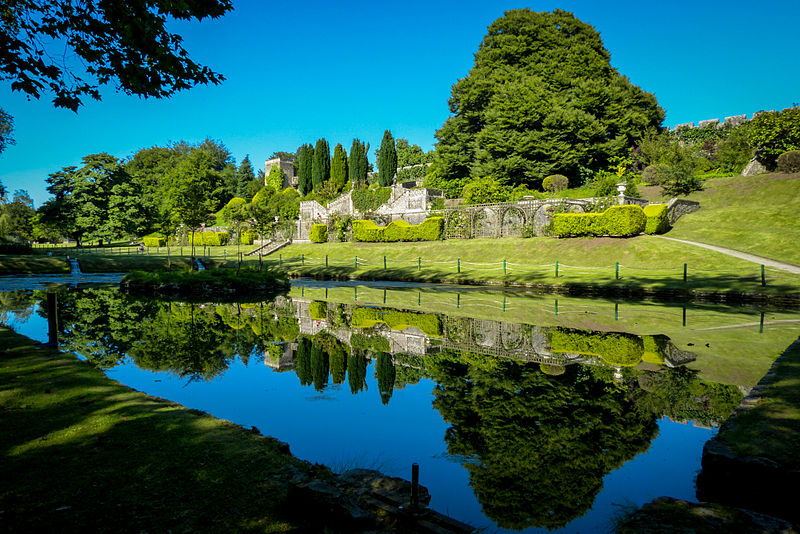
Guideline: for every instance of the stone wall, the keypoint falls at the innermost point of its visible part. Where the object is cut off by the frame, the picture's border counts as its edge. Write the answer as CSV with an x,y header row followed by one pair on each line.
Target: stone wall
x,y
290,180
733,121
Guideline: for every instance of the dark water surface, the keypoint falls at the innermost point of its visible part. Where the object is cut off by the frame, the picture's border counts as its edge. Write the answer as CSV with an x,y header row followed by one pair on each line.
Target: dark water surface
x,y
525,412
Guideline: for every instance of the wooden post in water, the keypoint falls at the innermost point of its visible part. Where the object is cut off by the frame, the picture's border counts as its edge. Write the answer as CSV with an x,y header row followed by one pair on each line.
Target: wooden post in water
x,y
684,273
414,486
761,326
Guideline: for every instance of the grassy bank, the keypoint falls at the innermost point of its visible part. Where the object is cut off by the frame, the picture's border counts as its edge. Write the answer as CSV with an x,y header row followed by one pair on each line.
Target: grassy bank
x,y
82,453
645,262
756,214
33,264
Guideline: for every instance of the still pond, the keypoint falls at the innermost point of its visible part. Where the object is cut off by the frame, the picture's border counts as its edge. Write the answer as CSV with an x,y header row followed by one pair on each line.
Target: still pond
x,y
525,412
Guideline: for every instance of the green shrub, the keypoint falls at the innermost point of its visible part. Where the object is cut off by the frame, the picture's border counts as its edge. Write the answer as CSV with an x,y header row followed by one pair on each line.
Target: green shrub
x,y
619,221
485,191
373,343
398,320
318,310
653,174
555,182
657,220
368,231
154,241
214,239
247,237
370,199
616,349
775,132
318,233
789,161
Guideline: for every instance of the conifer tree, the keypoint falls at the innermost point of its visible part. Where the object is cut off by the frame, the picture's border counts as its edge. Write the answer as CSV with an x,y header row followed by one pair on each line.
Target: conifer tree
x,y
339,167
244,175
358,164
387,160
320,164
305,155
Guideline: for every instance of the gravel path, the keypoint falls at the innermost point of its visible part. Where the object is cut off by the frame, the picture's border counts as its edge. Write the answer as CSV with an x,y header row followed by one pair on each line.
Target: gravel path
x,y
788,267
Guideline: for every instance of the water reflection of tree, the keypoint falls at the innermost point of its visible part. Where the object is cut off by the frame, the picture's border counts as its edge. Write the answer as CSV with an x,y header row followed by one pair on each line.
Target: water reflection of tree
x,y
540,445
385,373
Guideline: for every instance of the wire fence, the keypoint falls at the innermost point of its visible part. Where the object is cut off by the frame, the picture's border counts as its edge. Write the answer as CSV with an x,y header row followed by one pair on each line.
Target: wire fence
x,y
760,274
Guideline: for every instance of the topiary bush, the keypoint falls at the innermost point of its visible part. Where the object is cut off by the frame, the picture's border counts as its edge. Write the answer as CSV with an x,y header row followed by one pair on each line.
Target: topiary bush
x,y
623,350
318,233
247,237
657,220
789,161
154,241
318,310
555,182
653,174
367,231
214,239
398,320
621,221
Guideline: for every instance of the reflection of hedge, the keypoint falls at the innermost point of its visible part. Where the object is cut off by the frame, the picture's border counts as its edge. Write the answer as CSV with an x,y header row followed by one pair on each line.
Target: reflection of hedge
x,y
214,239
153,241
657,221
318,233
615,221
373,343
616,349
318,310
655,347
429,230
552,369
397,320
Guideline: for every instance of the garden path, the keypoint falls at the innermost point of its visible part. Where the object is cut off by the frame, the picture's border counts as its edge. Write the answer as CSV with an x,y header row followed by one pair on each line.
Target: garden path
x,y
783,266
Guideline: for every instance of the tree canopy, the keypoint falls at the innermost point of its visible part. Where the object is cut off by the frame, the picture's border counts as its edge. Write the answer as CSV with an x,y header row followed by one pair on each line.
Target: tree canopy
x,y
125,43
541,99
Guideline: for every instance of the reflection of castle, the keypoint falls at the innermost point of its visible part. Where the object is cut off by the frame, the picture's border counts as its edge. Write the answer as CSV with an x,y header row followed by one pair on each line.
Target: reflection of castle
x,y
526,343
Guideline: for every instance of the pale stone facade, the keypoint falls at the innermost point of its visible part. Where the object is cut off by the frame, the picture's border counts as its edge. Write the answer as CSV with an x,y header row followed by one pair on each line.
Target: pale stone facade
x,y
287,166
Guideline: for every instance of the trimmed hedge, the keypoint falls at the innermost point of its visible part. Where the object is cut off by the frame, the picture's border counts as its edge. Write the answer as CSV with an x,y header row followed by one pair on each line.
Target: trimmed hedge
x,y
657,220
154,241
318,310
616,349
397,320
619,221
247,237
367,231
655,348
318,233
555,182
214,239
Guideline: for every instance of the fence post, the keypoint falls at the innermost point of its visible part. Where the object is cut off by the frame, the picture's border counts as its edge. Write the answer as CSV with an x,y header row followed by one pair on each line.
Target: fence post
x,y
556,268
458,300
384,296
355,293
355,262
280,260
761,326
326,260
384,263
684,273
763,277
616,311
556,307
504,270
419,263
616,275
459,265
419,298
684,316
302,259
504,304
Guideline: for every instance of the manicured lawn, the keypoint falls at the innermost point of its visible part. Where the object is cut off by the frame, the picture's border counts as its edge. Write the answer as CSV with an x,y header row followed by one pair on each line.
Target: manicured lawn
x,y
644,261
82,453
756,214
28,264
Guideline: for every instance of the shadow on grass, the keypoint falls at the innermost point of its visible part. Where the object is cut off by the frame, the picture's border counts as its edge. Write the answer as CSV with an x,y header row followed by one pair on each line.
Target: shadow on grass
x,y
83,453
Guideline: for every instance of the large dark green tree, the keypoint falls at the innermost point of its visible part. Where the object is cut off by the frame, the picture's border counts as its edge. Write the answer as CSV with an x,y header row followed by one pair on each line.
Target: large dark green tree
x,y
320,164
305,160
541,99
339,167
244,175
387,160
358,164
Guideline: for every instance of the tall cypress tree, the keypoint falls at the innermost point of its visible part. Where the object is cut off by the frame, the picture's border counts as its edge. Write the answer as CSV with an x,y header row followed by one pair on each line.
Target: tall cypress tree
x,y
339,167
305,155
320,164
358,164
387,160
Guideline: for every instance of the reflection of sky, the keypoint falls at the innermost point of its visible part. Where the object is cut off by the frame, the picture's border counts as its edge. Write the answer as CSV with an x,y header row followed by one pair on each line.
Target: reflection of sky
x,y
342,430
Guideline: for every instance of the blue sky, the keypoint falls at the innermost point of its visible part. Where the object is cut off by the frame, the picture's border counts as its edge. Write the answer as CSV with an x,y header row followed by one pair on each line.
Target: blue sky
x,y
297,71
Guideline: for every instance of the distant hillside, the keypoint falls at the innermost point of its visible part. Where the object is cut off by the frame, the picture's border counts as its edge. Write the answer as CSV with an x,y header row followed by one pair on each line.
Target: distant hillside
x,y
756,214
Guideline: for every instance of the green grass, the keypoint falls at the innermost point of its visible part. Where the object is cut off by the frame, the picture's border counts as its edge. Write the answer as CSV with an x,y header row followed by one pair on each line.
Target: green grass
x,y
756,214
31,264
772,428
82,453
645,262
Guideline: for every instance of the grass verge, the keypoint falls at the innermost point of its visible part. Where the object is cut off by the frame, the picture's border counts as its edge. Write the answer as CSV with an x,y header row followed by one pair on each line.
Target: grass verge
x,y
32,264
83,453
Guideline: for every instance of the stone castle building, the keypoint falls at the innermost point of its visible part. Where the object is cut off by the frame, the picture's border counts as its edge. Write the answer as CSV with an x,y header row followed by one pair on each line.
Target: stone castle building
x,y
287,166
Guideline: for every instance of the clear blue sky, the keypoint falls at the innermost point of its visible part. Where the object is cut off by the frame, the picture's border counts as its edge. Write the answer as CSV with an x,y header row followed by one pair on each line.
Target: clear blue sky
x,y
297,71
